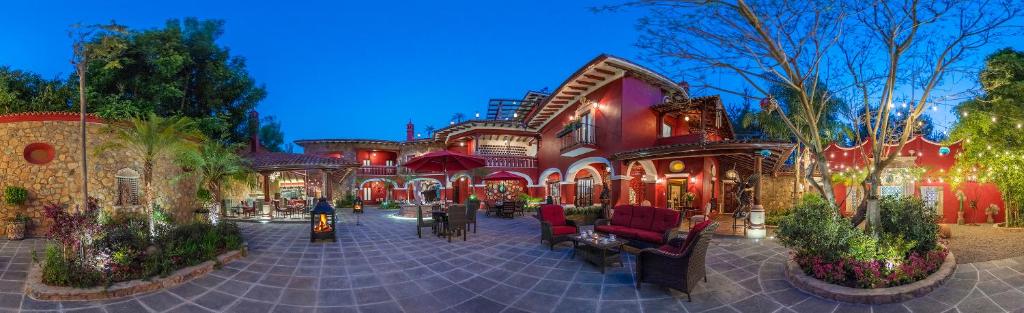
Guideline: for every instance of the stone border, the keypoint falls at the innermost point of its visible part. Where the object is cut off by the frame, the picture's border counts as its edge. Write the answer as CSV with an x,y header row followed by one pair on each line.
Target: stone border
x,y
796,276
36,289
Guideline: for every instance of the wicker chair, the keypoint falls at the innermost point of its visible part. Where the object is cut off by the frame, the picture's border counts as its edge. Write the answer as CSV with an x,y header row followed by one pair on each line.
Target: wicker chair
x,y
521,208
681,271
456,221
421,223
472,206
554,228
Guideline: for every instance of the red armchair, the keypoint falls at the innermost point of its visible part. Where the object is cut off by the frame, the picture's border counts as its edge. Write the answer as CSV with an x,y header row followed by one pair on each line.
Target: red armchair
x,y
554,228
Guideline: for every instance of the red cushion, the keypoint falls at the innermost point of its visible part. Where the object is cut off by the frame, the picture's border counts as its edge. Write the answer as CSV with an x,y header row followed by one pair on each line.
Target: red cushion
x,y
562,230
621,231
642,217
553,214
648,236
622,215
665,219
694,233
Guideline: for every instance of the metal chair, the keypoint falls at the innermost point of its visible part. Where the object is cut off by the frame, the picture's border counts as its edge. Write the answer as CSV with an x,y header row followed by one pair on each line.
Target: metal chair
x,y
421,223
472,206
456,221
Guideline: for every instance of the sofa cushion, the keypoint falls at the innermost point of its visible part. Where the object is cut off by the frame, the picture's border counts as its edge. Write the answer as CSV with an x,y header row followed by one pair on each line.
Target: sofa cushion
x,y
642,217
562,230
694,233
648,236
623,215
553,214
665,219
621,231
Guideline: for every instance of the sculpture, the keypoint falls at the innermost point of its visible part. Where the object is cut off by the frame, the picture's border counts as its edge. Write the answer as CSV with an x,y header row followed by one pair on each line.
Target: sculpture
x,y
990,213
960,210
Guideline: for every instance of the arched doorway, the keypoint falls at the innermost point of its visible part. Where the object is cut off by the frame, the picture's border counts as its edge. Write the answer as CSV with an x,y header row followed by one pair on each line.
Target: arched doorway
x,y
589,183
376,190
552,182
637,192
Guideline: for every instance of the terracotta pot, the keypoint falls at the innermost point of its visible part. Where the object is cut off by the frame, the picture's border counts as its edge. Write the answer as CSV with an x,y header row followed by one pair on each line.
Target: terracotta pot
x,y
945,231
15,230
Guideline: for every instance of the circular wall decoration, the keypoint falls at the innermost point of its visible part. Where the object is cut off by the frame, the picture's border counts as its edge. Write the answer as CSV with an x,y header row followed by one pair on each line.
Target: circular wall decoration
x,y
676,166
39,153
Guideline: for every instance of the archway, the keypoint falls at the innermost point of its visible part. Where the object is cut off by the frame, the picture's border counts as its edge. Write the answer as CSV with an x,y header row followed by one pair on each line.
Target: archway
x,y
637,177
416,186
552,182
588,162
589,183
376,190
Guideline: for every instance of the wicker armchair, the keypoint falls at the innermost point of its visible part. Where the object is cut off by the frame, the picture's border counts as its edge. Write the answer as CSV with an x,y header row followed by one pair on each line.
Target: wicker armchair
x,y
681,271
421,223
472,206
456,221
508,209
554,228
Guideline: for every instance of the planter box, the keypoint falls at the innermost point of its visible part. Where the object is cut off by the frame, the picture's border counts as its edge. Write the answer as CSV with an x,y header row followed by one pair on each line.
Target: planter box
x,y
36,289
796,276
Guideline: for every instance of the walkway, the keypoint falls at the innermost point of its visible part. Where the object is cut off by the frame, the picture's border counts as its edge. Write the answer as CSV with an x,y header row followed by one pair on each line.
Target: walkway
x,y
380,266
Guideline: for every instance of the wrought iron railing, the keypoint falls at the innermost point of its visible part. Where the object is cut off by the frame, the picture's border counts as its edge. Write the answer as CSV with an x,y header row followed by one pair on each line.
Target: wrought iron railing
x,y
583,134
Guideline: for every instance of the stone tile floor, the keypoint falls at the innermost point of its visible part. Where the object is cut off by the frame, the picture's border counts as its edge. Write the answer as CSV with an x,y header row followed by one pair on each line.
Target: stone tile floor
x,y
380,266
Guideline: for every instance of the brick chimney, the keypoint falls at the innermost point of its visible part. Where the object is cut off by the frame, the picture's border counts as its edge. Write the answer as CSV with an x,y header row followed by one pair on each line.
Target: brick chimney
x,y
410,131
686,87
254,132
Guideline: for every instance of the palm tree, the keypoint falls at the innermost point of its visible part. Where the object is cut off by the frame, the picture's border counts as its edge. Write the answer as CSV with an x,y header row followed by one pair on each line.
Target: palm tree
x,y
430,130
457,117
215,165
153,140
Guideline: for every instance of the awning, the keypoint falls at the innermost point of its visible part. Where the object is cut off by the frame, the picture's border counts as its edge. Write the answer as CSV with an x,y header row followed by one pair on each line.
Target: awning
x,y
503,175
264,161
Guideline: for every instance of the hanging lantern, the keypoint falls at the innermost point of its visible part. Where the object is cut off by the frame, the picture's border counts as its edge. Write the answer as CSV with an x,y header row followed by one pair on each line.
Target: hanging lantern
x,y
943,151
765,153
501,188
767,104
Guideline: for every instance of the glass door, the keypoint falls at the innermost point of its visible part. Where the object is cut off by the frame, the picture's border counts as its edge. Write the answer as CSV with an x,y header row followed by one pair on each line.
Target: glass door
x,y
584,192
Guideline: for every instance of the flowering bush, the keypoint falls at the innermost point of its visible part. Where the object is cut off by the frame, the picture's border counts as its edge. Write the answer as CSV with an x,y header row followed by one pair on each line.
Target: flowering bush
x,y
98,249
873,273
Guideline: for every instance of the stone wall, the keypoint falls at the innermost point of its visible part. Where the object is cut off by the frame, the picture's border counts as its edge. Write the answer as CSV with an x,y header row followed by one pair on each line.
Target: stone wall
x,y
59,180
777,192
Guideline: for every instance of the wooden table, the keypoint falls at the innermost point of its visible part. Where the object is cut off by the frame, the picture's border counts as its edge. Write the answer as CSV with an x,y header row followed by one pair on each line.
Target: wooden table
x,y
600,251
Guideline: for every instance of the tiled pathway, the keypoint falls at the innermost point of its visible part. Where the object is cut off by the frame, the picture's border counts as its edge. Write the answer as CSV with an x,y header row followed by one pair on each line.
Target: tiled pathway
x,y
380,266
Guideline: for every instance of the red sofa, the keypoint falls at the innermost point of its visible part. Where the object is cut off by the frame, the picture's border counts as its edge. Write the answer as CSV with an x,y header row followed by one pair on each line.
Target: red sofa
x,y
641,223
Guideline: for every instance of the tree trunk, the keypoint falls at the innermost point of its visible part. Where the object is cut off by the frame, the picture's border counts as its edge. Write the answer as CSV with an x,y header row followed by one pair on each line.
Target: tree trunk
x,y
80,67
871,196
147,176
218,199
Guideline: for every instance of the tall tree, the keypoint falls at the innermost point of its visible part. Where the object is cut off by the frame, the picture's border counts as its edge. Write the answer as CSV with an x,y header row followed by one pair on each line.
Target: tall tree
x,y
992,129
153,139
22,91
180,70
93,46
457,117
866,50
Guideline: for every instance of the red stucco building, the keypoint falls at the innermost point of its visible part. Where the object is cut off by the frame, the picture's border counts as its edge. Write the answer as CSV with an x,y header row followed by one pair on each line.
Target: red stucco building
x,y
611,126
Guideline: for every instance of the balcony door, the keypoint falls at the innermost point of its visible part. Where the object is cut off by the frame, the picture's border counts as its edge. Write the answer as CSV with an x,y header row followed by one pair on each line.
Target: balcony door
x,y
586,131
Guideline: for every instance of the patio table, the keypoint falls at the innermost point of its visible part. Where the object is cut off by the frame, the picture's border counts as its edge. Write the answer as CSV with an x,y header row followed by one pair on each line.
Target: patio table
x,y
600,250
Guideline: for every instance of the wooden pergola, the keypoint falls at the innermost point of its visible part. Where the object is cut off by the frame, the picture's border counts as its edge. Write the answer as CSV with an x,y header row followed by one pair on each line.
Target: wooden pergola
x,y
266,163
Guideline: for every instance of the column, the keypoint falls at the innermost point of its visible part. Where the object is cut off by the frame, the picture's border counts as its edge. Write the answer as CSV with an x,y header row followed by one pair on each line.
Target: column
x,y
756,228
266,194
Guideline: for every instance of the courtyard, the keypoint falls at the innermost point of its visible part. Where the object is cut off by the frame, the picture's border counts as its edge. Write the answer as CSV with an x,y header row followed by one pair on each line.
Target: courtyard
x,y
381,266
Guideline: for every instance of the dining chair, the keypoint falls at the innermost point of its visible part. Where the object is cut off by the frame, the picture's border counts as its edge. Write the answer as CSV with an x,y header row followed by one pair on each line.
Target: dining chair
x,y
456,221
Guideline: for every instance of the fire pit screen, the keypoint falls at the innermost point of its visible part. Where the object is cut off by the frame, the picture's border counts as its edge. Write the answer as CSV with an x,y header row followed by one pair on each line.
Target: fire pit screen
x,y
322,222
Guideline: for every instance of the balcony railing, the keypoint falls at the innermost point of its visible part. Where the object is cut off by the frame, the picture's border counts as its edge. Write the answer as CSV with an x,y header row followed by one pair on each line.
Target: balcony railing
x,y
582,135
510,161
377,170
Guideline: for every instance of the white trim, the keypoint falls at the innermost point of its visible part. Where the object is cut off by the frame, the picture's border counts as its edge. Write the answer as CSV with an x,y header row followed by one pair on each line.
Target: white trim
x,y
585,163
678,175
551,170
566,183
394,184
621,177
650,171
421,178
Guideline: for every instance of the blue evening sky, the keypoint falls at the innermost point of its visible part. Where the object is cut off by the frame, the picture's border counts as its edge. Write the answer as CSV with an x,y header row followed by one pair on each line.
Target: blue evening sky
x,y
360,69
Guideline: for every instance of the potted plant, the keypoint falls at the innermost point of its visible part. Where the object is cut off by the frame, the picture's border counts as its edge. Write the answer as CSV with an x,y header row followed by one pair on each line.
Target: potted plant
x,y
16,196
571,126
688,199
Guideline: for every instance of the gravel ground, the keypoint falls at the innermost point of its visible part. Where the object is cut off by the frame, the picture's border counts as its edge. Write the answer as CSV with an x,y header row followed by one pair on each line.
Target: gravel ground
x,y
984,243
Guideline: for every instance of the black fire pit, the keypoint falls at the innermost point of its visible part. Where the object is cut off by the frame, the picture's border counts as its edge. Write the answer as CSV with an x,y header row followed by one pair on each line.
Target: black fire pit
x,y
322,222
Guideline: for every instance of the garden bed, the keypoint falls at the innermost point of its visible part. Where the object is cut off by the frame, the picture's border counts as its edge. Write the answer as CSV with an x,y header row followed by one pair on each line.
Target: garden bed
x,y
36,289
796,276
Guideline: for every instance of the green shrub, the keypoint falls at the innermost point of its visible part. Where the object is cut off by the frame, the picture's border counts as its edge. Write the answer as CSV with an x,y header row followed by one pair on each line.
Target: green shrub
x,y
774,216
389,205
907,217
61,271
863,247
815,228
14,195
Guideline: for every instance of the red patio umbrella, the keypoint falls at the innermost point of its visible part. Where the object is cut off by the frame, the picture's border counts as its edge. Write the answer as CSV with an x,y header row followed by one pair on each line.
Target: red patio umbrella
x,y
443,161
503,175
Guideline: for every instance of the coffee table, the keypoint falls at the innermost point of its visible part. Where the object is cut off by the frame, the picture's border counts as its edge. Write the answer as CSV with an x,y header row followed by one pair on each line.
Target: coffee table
x,y
600,250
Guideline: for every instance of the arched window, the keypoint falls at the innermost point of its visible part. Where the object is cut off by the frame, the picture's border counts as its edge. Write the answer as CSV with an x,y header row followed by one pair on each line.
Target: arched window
x,y
127,187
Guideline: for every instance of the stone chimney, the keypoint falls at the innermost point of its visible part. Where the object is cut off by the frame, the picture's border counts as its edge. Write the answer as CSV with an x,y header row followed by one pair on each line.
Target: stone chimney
x,y
254,132
410,131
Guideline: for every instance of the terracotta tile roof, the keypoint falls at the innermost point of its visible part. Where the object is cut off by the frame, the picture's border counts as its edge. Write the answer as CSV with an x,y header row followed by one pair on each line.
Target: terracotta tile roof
x,y
280,161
